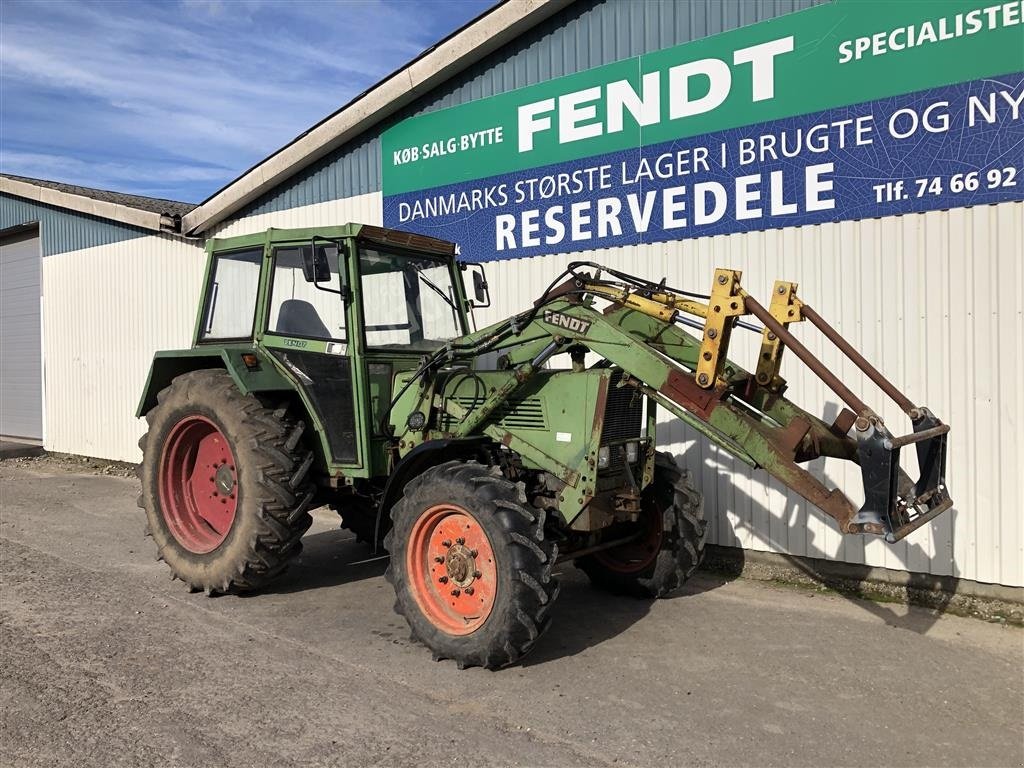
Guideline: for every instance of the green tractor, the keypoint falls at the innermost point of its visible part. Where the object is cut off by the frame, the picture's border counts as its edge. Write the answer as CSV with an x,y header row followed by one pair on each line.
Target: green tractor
x,y
337,366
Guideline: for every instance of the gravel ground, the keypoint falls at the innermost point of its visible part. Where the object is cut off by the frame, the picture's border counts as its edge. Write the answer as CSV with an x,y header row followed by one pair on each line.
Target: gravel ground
x,y
105,661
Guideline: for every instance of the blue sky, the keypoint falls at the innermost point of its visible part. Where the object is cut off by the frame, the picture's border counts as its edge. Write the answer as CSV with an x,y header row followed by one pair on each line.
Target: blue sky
x,y
175,99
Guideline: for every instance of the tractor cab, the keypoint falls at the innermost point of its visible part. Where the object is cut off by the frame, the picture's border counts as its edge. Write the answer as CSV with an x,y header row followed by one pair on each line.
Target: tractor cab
x,y
332,314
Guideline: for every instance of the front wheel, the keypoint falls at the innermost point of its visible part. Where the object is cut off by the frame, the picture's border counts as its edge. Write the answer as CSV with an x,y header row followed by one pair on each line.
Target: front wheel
x,y
671,534
470,565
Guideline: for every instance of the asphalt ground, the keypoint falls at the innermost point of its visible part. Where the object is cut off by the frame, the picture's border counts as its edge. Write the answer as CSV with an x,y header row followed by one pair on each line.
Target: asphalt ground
x,y
105,661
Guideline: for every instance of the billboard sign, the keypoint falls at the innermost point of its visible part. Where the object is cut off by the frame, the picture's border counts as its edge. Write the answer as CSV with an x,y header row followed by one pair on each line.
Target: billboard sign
x,y
854,109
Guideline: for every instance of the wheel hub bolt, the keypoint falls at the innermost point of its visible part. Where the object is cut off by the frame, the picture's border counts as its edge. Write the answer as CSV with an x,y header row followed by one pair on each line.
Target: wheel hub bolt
x,y
438,559
443,579
460,541
473,553
477,574
455,593
447,543
469,590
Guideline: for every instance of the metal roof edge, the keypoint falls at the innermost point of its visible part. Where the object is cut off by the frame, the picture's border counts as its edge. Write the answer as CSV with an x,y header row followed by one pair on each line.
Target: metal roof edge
x,y
88,205
453,55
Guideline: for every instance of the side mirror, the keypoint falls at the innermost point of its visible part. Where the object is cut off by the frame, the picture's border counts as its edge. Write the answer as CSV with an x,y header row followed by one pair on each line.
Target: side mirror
x,y
315,267
481,294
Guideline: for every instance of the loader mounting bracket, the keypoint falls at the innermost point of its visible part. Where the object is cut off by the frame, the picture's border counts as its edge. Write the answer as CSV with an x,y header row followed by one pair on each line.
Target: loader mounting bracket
x,y
892,502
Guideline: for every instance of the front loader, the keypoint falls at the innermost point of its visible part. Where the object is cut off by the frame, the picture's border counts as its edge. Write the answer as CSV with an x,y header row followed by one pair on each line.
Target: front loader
x,y
337,367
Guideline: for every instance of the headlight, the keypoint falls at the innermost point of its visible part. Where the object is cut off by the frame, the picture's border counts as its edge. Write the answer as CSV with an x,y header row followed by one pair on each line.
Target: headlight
x,y
631,452
416,421
603,457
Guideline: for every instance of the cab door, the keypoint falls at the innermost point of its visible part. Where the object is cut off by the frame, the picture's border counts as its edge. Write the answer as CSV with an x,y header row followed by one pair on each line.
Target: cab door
x,y
306,332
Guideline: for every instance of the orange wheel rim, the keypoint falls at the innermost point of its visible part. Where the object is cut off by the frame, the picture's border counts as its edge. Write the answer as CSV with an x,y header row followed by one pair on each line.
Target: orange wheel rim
x,y
452,569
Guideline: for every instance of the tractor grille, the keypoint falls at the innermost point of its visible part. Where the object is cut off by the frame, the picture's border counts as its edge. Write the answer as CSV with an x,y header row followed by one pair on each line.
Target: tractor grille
x,y
623,413
623,417
527,413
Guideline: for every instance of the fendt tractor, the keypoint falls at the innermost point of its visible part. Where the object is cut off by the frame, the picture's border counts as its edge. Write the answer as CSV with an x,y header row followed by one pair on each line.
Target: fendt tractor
x,y
336,366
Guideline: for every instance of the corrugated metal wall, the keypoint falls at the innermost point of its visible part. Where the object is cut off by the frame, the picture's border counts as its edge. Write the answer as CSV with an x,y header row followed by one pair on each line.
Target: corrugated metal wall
x,y
113,294
106,310
365,209
934,299
587,34
62,230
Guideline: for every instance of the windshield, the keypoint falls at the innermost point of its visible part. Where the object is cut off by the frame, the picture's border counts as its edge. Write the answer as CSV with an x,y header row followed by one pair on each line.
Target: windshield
x,y
408,301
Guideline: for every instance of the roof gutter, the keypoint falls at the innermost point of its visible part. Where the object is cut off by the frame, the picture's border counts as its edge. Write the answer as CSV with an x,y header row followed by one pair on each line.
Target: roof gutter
x,y
88,205
472,43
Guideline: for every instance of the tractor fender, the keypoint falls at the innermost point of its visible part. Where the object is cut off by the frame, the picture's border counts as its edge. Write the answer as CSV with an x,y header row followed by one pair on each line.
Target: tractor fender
x,y
169,364
421,458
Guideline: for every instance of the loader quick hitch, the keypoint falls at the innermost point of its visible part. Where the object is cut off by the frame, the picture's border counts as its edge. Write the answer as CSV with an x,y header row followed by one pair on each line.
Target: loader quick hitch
x,y
890,500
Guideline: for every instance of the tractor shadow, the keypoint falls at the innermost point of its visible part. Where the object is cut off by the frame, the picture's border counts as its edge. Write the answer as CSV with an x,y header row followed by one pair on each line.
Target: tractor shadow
x,y
584,617
330,558
916,606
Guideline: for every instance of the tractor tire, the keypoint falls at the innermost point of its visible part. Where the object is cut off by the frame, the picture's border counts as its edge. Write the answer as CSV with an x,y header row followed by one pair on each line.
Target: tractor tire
x,y
359,515
470,565
672,514
225,484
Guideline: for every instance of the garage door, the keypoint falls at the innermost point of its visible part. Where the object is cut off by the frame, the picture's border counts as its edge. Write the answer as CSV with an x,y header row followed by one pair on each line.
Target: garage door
x,y
21,362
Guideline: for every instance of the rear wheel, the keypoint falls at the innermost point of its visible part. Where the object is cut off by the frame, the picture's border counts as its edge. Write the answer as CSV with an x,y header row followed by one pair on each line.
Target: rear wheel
x,y
225,484
669,547
470,565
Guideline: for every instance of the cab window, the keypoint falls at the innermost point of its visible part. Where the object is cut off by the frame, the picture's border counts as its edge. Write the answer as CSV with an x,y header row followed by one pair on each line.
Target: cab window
x,y
231,296
408,301
299,308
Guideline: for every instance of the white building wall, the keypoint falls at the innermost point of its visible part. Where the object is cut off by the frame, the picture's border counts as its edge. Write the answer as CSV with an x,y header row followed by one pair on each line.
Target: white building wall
x,y
106,310
109,308
933,299
364,209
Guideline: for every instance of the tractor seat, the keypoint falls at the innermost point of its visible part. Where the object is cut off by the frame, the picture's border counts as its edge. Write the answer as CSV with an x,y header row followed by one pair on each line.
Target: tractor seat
x,y
300,318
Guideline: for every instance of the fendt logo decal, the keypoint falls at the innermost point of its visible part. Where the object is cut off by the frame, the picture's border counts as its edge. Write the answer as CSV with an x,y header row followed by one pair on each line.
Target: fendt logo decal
x,y
566,321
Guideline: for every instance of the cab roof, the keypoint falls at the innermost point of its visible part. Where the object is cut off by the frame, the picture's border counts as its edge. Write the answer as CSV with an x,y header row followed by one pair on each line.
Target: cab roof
x,y
394,238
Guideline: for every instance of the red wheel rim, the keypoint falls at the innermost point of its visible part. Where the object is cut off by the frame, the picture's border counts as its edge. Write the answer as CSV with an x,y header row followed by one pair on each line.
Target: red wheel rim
x,y
198,484
637,555
452,569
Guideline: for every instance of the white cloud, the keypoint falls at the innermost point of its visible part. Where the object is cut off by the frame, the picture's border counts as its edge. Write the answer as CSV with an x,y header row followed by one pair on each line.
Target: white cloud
x,y
221,84
142,177
86,173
